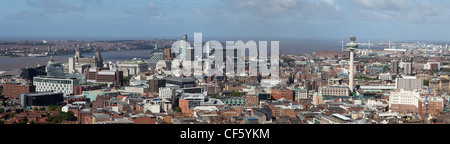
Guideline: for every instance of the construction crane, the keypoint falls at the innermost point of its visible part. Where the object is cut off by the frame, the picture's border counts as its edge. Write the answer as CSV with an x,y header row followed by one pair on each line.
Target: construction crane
x,y
429,91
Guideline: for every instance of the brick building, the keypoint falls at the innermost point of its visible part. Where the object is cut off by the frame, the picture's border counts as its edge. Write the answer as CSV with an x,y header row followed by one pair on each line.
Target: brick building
x,y
282,93
184,105
251,100
143,119
309,77
78,90
107,76
282,110
435,106
168,55
70,100
412,101
100,117
14,90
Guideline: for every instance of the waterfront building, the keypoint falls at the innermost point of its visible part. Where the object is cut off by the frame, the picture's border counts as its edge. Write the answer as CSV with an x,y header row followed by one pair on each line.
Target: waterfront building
x,y
78,59
63,85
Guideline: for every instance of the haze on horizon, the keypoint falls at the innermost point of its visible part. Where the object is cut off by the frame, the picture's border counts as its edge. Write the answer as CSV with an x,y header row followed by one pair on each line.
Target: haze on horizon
x,y
296,19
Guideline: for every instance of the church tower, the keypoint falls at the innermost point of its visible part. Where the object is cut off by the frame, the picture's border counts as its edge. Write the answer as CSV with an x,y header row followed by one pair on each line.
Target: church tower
x,y
98,57
77,52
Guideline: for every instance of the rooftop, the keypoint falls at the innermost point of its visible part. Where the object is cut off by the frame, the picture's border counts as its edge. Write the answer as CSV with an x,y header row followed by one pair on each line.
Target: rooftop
x,y
117,121
106,72
43,94
193,96
179,79
100,116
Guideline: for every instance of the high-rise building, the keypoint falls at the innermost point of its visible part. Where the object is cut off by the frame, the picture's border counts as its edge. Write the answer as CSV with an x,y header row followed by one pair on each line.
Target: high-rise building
x,y
168,55
408,82
155,84
395,66
183,47
318,99
155,57
408,68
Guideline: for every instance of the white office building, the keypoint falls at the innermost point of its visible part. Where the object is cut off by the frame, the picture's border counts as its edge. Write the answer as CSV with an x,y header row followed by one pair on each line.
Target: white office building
x,y
55,84
157,105
408,82
166,92
336,90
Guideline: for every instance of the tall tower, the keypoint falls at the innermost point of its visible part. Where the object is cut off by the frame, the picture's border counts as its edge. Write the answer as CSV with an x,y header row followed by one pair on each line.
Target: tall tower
x,y
395,65
183,47
77,52
49,50
98,57
352,46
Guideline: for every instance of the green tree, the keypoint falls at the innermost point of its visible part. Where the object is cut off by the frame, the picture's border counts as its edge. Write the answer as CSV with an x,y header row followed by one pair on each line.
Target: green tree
x,y
177,109
62,116
52,108
237,94
426,82
2,110
23,121
59,108
214,96
387,68
3,103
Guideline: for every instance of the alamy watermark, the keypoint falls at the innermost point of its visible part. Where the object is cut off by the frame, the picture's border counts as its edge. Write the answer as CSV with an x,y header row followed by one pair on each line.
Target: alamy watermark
x,y
212,59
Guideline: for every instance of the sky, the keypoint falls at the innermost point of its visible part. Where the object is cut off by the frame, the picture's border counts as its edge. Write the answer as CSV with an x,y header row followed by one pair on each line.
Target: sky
x,y
299,19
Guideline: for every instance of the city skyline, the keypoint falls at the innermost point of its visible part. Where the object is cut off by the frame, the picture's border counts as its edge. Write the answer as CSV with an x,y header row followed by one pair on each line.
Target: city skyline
x,y
139,19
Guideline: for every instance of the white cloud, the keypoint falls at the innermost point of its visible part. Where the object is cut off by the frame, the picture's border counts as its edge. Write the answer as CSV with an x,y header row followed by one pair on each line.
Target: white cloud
x,y
149,11
417,11
290,8
46,8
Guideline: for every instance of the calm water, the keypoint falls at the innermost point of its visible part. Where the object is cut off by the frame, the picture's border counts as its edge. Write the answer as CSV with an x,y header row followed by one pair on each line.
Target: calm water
x,y
290,46
12,64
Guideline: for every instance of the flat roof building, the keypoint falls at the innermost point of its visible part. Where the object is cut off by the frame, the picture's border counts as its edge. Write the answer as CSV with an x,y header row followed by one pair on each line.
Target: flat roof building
x,y
41,99
182,82
55,84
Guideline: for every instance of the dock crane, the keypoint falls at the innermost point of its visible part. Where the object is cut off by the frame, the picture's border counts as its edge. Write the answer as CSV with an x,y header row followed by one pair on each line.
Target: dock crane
x,y
429,91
